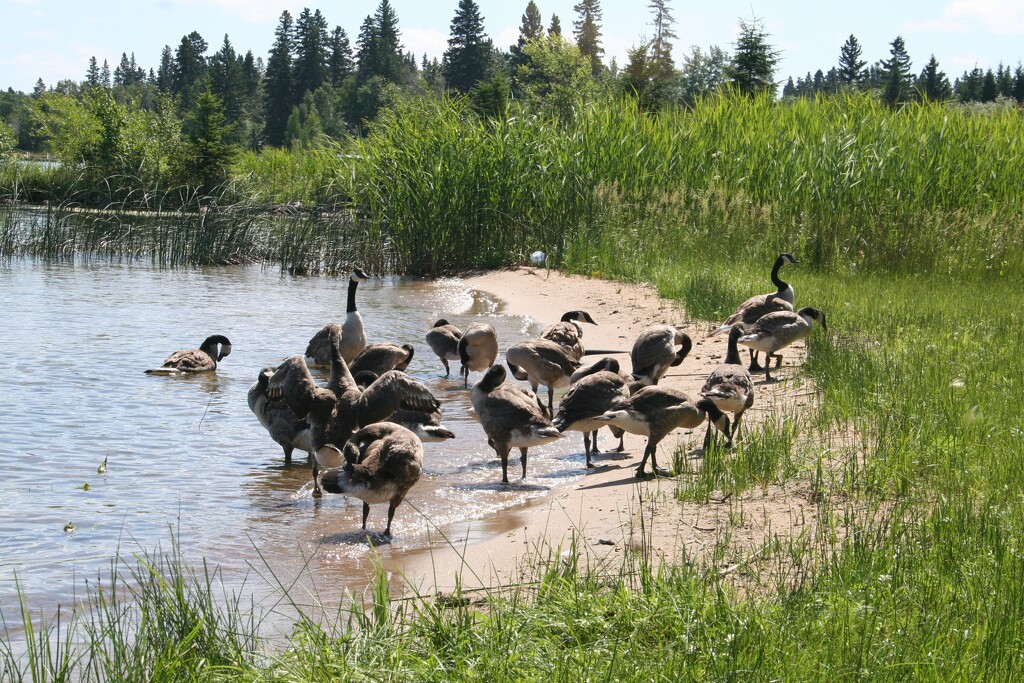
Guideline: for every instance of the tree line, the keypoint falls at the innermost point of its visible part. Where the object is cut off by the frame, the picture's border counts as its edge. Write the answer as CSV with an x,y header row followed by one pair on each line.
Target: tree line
x,y
317,82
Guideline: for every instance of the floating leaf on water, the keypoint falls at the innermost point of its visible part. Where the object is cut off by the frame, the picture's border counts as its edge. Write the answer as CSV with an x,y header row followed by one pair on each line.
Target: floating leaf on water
x,y
85,486
69,527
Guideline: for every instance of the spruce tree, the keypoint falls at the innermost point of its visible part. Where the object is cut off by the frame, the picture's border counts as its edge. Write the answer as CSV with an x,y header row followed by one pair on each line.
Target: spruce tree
x,y
555,27
896,75
587,32
851,66
278,82
753,64
165,72
92,75
531,28
466,61
932,84
309,68
389,46
662,63
340,64
226,80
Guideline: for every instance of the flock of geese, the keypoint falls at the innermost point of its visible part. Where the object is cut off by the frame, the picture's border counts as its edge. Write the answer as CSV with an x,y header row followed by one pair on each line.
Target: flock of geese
x,y
365,429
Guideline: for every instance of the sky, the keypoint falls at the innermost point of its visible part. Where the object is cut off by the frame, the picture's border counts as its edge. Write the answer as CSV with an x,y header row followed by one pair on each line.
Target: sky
x,y
54,39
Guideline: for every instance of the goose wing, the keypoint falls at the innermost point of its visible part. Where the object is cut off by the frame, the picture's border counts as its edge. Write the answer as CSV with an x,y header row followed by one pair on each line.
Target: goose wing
x,y
293,384
589,397
390,392
319,346
444,341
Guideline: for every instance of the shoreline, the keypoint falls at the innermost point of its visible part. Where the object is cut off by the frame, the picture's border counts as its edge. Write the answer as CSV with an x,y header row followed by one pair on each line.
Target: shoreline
x,y
608,516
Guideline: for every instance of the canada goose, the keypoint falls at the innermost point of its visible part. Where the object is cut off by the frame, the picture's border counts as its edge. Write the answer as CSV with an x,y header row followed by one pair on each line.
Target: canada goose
x,y
568,332
478,349
443,339
277,418
655,411
778,330
782,299
426,424
382,462
336,411
204,359
589,396
510,416
654,352
729,386
381,357
541,361
350,334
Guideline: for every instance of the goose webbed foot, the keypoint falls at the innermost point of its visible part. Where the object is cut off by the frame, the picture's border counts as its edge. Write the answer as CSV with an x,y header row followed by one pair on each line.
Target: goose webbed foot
x,y
661,472
640,474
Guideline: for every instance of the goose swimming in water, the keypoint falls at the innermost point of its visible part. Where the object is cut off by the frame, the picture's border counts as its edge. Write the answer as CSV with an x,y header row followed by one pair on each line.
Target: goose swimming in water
x,y
478,349
782,299
285,428
349,335
382,462
214,349
443,339
778,330
729,386
568,332
655,411
338,410
654,352
511,417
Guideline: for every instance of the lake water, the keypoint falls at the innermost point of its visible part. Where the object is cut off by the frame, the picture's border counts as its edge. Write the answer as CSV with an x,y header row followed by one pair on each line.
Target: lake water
x,y
185,458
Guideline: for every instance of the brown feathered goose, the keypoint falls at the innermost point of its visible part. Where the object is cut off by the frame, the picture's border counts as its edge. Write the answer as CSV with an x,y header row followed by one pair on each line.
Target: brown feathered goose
x,y
590,396
511,417
284,426
655,411
382,462
568,332
204,359
654,352
336,411
443,339
541,361
729,386
778,330
381,357
478,349
782,299
349,335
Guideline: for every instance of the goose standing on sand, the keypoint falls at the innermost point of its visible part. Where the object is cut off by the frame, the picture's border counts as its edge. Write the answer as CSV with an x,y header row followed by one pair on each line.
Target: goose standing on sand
x,y
277,418
654,352
336,411
382,462
782,299
350,334
478,349
778,330
214,349
590,395
380,357
655,411
568,332
729,386
511,417
443,339
541,361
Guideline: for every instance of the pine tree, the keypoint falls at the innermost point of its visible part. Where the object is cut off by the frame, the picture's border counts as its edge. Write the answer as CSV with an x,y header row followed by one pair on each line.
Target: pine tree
x,y
122,74
189,69
208,139
1018,84
896,73
587,32
753,64
663,65
226,80
851,66
466,61
340,64
531,28
555,27
92,75
165,72
309,69
989,88
932,84
278,82
389,47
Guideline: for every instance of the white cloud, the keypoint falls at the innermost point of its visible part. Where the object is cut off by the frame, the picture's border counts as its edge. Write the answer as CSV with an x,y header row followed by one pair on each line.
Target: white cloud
x,y
1001,17
256,11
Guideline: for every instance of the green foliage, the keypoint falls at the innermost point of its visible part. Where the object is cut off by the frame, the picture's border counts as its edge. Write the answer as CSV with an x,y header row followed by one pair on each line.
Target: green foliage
x,y
207,150
467,61
753,62
7,142
555,77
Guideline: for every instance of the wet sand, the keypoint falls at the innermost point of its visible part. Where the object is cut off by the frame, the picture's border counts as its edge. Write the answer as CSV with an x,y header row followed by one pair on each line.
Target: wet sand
x,y
609,515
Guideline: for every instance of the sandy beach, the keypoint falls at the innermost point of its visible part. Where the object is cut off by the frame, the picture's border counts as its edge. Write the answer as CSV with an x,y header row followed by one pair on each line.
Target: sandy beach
x,y
610,514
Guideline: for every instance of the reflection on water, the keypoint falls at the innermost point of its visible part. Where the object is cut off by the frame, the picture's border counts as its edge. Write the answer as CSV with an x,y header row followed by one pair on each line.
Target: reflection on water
x,y
185,457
